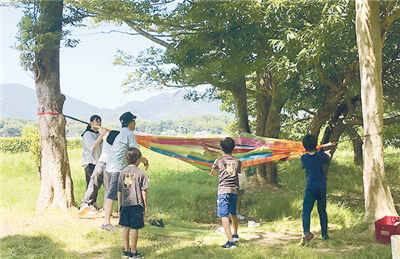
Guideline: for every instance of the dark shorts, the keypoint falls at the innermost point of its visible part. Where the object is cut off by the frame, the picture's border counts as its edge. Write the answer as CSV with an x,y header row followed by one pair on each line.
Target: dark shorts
x,y
226,204
132,216
112,193
241,192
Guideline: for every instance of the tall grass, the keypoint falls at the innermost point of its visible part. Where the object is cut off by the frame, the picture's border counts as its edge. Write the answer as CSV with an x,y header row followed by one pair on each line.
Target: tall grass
x,y
185,198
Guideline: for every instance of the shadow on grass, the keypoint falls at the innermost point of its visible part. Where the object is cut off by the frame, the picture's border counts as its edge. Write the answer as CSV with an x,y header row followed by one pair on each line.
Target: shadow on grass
x,y
41,246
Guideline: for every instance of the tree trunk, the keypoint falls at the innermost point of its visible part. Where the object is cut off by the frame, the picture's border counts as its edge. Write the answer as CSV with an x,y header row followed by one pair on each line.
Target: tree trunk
x,y
268,114
240,100
378,199
357,145
57,186
324,113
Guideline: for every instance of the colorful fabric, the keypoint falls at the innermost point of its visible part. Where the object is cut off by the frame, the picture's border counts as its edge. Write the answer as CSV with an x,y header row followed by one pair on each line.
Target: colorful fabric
x,y
201,152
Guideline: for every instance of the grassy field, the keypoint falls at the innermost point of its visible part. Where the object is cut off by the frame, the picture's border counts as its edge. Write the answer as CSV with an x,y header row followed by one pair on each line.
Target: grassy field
x,y
185,198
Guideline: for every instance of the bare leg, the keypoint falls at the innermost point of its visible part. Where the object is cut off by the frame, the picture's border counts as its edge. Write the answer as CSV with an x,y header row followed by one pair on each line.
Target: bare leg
x,y
107,211
239,203
134,237
235,224
125,237
227,228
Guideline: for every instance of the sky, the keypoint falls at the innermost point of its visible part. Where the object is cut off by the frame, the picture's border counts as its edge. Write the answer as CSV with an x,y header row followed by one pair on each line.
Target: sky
x,y
86,71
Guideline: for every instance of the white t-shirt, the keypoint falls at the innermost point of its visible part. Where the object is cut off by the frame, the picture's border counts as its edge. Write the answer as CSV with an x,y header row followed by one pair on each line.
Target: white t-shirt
x,y
90,155
105,153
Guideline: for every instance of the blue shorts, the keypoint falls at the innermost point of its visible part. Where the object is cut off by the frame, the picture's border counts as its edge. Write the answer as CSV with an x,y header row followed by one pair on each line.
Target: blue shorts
x,y
112,193
241,192
226,204
132,216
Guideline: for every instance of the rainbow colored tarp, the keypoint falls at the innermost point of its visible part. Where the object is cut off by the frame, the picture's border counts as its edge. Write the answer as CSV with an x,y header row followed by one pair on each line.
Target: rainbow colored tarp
x,y
201,152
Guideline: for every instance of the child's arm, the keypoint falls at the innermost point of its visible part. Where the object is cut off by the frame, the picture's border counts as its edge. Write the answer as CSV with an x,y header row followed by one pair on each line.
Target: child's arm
x,y
213,171
144,195
326,166
145,162
119,201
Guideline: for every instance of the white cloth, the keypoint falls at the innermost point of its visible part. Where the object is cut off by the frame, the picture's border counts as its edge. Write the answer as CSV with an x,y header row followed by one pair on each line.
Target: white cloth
x,y
105,152
90,155
242,181
125,139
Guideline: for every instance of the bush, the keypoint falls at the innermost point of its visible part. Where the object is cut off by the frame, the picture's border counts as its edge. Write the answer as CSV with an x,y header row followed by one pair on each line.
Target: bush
x,y
15,144
74,143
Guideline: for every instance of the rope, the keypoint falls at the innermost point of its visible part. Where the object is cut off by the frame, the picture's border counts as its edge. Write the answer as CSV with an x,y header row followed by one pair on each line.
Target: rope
x,y
50,113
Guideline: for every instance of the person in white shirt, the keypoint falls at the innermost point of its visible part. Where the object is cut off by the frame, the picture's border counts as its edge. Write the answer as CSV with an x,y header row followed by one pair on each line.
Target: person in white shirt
x,y
92,142
98,177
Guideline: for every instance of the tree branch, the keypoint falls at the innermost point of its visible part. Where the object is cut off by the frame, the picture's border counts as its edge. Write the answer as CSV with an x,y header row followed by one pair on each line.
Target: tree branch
x,y
387,22
324,79
145,34
357,120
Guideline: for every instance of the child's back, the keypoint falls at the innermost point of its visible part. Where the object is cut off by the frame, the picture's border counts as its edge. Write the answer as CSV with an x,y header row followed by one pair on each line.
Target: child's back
x,y
314,166
228,169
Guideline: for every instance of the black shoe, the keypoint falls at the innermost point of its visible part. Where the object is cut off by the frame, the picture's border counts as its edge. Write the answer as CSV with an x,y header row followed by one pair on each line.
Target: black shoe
x,y
235,238
156,223
228,246
323,237
125,254
135,255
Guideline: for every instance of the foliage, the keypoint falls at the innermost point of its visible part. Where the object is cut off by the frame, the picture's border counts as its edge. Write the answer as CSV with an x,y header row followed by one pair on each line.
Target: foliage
x,y
15,144
10,127
213,124
73,143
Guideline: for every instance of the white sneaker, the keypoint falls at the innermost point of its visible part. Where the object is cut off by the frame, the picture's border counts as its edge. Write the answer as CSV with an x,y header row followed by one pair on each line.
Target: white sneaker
x,y
92,210
252,224
83,209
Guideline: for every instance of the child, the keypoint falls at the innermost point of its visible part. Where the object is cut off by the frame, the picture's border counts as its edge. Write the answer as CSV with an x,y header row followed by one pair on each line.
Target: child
x,y
117,162
132,195
228,168
316,165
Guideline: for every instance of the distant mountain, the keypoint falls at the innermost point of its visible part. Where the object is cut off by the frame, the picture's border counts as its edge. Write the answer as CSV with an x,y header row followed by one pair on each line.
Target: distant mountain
x,y
18,101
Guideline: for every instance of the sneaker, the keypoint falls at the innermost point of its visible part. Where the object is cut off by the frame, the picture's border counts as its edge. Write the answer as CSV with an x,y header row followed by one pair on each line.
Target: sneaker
x,y
92,210
240,217
229,246
125,254
83,209
306,238
235,237
252,224
135,255
323,237
108,227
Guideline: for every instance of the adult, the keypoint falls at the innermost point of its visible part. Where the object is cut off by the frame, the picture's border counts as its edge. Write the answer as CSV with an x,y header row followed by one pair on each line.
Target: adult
x,y
117,162
92,143
99,176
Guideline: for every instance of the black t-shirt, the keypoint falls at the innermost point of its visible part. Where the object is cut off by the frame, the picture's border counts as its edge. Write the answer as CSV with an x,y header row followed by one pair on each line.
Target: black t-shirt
x,y
314,165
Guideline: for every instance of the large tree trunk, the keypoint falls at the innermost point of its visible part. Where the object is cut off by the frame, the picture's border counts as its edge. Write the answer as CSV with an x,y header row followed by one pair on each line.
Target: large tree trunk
x,y
57,187
239,95
378,199
269,106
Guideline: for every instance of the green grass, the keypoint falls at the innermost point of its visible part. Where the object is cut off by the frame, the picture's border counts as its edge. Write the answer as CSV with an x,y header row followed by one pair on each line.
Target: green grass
x,y
185,198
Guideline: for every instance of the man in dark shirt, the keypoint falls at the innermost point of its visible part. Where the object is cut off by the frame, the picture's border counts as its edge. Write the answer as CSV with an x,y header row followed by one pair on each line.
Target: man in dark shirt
x,y
316,165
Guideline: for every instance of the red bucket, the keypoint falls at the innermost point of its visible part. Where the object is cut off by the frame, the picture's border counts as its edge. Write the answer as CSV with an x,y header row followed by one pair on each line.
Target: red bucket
x,y
386,227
